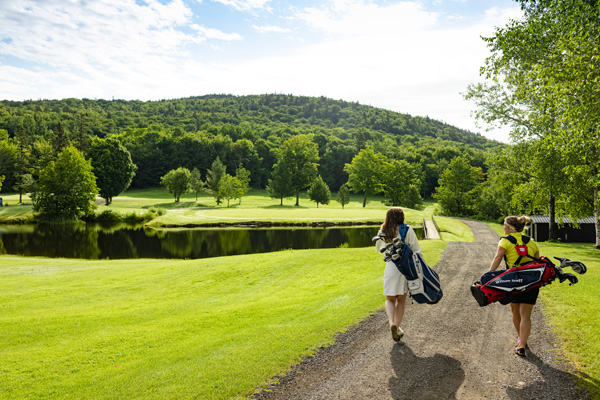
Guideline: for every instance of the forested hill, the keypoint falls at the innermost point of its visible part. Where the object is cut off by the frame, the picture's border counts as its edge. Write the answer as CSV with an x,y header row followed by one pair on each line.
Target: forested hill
x,y
191,132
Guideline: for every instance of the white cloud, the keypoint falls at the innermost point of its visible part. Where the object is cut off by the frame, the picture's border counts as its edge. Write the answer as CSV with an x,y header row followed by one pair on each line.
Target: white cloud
x,y
357,17
270,28
245,5
391,56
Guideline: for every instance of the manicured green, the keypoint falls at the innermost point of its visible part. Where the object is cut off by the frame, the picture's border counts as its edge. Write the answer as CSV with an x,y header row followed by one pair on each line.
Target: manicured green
x,y
176,329
574,311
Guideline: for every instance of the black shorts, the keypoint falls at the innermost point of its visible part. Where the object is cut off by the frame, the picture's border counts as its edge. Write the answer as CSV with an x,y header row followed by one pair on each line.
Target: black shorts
x,y
528,297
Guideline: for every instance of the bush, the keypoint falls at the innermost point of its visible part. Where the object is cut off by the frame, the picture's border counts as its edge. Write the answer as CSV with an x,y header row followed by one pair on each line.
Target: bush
x,y
108,216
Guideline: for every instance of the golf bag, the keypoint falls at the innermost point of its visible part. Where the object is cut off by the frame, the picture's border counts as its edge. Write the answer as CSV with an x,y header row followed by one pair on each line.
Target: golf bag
x,y
504,285
423,282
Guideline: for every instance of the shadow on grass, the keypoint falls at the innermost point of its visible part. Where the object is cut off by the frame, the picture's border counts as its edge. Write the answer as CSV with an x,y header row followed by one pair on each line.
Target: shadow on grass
x,y
181,204
283,207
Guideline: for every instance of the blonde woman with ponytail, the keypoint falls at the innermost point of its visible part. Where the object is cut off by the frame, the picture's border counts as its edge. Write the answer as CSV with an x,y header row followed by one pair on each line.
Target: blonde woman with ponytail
x,y
522,305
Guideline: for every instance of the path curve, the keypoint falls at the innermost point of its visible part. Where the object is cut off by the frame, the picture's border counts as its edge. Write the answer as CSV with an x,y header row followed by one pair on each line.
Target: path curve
x,y
451,350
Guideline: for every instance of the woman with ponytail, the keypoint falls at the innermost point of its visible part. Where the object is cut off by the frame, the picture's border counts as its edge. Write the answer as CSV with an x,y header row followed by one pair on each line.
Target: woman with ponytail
x,y
522,305
395,285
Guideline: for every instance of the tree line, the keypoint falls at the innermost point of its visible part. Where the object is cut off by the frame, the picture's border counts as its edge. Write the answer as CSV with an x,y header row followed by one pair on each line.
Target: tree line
x,y
246,132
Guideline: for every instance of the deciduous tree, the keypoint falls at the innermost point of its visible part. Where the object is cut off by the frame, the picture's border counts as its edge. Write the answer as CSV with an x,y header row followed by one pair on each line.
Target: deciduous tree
x,y
213,177
319,192
196,182
343,196
366,173
113,167
67,187
177,181
280,184
300,155
459,187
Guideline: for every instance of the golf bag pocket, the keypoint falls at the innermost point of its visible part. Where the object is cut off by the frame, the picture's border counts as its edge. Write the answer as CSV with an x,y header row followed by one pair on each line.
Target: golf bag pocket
x,y
423,283
500,285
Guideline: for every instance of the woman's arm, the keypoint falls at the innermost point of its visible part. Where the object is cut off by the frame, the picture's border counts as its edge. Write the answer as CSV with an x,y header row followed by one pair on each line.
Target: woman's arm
x,y
498,258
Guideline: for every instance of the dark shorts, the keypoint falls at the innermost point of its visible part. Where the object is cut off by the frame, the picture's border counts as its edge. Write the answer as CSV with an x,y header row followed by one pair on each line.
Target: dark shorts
x,y
528,297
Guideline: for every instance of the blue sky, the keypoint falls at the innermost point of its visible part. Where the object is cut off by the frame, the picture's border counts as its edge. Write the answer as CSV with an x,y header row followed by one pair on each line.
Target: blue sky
x,y
413,57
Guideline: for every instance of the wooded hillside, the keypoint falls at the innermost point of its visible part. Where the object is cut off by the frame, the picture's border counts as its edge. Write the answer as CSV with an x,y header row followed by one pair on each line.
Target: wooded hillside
x,y
192,132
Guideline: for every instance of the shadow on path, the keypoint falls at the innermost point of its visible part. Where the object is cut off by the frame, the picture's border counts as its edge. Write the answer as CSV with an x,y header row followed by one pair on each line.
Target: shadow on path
x,y
437,377
539,388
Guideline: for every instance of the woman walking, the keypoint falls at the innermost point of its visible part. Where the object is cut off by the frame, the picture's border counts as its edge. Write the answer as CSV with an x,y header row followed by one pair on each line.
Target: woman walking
x,y
395,286
522,305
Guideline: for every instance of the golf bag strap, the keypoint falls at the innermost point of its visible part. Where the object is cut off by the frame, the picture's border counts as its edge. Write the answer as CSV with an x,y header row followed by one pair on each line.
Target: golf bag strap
x,y
513,240
403,229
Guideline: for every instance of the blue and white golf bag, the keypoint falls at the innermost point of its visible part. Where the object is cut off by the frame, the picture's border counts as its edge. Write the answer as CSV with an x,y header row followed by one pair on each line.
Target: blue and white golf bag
x,y
423,282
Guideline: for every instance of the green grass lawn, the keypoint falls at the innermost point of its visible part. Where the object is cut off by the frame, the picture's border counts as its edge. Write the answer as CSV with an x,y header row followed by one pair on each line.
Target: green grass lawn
x,y
574,311
177,329
256,206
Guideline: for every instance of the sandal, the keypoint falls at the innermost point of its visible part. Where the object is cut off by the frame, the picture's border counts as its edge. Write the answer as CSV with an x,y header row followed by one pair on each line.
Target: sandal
x,y
520,351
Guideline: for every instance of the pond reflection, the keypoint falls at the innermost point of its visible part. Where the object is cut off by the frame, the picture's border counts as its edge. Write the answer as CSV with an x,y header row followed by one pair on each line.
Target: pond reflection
x,y
94,241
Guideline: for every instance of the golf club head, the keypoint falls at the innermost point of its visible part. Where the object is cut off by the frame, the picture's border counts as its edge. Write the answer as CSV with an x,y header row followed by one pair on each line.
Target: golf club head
x,y
570,277
387,258
379,236
576,266
399,252
397,242
395,257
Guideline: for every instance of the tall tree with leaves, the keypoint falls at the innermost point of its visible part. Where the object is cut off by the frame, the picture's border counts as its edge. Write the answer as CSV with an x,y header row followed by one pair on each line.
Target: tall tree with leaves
x,y
319,192
213,177
81,137
67,187
548,56
280,184
366,173
343,196
112,166
60,138
402,185
459,188
300,154
177,182
244,177
196,182
23,140
230,187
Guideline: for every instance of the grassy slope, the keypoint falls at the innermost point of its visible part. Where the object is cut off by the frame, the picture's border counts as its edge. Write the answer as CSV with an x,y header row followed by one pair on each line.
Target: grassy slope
x,y
212,328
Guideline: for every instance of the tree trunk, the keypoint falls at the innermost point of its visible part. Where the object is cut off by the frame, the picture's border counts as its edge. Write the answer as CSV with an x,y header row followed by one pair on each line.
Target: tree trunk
x,y
597,217
281,202
552,230
298,197
365,200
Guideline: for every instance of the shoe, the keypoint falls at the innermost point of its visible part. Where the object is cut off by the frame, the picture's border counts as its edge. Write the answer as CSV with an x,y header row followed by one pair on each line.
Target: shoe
x,y
397,333
517,345
520,351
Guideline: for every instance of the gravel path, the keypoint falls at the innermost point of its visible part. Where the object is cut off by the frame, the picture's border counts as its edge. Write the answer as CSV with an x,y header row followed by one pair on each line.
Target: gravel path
x,y
451,350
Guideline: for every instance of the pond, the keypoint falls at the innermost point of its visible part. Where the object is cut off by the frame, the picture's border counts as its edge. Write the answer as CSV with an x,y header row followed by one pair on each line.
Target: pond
x,y
95,241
